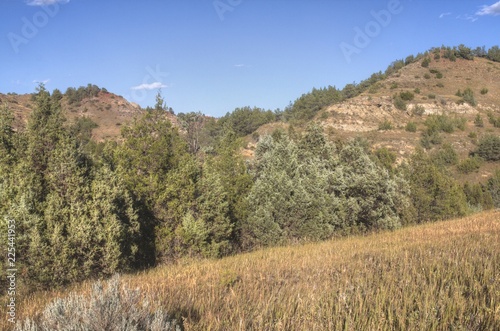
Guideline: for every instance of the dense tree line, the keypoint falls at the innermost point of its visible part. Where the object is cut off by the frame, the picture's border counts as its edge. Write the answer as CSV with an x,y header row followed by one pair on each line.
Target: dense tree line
x,y
75,95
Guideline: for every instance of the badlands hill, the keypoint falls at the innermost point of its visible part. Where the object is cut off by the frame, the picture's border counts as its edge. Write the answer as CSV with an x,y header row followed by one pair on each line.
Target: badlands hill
x,y
109,111
433,89
423,90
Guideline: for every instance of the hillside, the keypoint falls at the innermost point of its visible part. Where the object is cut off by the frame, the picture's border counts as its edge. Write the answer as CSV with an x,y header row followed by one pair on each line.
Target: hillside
x,y
435,276
437,95
433,91
109,111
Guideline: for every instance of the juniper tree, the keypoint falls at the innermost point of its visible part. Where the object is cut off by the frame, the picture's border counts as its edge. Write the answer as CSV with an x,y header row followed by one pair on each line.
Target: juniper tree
x,y
155,164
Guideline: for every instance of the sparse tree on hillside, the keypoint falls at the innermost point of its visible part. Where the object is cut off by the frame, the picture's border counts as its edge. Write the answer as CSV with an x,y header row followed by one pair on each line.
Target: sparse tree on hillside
x,y
494,54
160,102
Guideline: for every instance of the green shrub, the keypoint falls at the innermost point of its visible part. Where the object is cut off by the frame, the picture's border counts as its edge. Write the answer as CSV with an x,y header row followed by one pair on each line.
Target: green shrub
x,y
468,96
435,194
484,91
478,196
460,123
411,127
437,123
470,164
399,103
385,125
416,90
439,75
394,85
425,62
472,135
430,138
431,96
489,148
493,186
478,121
409,59
406,95
418,110
495,121
446,155
440,85
112,308
427,76
459,93
386,157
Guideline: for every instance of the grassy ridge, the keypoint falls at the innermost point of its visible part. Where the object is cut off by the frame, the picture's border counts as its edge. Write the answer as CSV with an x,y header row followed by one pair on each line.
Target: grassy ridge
x,y
437,276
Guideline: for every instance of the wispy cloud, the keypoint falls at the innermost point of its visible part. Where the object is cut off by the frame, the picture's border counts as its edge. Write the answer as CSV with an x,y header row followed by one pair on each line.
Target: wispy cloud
x,y
444,14
45,2
467,17
41,81
494,10
152,86
239,65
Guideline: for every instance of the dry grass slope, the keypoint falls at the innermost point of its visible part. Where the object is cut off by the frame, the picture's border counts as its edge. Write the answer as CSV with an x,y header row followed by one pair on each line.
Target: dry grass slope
x,y
441,276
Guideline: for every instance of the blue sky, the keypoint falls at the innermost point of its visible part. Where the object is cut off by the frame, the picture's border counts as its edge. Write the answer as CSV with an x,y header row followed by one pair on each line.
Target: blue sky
x,y
215,55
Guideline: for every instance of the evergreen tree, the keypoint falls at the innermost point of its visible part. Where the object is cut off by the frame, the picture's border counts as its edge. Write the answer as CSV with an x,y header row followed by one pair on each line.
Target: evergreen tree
x,y
6,136
435,194
307,190
213,206
155,164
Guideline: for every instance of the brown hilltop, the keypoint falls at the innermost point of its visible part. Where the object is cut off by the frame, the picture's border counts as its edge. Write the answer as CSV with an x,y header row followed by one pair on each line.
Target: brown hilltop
x,y
109,111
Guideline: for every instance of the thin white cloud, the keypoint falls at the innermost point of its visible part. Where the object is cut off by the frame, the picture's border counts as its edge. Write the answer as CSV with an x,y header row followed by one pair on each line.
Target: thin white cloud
x,y
45,2
239,65
444,14
41,81
493,10
152,86
468,17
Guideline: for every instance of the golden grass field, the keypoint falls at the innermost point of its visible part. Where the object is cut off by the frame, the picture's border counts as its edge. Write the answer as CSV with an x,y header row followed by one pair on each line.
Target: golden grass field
x,y
439,276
